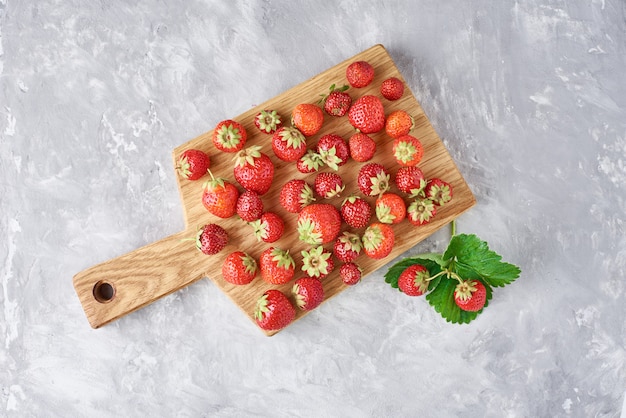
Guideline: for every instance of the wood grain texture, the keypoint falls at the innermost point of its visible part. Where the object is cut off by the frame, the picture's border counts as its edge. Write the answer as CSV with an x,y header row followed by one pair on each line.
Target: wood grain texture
x,y
153,271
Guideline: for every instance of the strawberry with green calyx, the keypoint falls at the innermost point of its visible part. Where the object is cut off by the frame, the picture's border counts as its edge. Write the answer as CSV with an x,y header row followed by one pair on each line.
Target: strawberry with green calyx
x,y
268,121
274,311
317,262
347,247
360,74
277,266
337,101
308,118
367,114
211,239
421,211
318,224
411,180
310,162
219,197
378,240
328,185
439,191
254,170
356,211
288,144
362,147
470,295
239,268
414,280
193,164
308,293
392,88
269,227
373,179
407,150
295,195
399,123
390,208
333,151
229,136
350,273
249,206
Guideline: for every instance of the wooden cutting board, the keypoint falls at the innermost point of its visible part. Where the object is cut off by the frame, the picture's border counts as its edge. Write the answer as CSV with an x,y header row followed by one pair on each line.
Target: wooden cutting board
x,y
122,285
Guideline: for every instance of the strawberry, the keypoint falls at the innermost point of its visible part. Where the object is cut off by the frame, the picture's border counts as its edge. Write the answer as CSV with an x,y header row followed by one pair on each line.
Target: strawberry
x,y
337,102
308,293
333,150
347,247
274,311
269,227
470,295
309,162
328,185
407,150
414,280
411,180
350,273
254,170
356,211
367,114
392,88
193,164
288,144
229,136
373,179
277,266
390,208
211,239
317,262
421,211
399,123
319,223
360,74
362,147
438,191
249,206
308,118
268,121
219,197
378,240
239,268
295,194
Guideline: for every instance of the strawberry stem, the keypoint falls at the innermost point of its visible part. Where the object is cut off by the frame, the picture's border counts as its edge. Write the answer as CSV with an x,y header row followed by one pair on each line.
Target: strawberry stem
x,y
453,228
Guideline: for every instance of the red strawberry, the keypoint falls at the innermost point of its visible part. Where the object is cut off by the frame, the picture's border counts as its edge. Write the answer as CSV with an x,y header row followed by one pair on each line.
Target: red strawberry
x,y
229,136
421,211
356,211
378,240
392,88
407,150
288,144
390,208
309,162
268,121
367,114
333,150
319,224
347,247
277,266
411,180
350,273
438,191
360,74
249,206
193,164
317,262
470,295
399,123
269,227
274,311
362,147
254,170
328,185
219,197
373,179
414,280
239,268
308,292
295,194
211,239
308,118
337,102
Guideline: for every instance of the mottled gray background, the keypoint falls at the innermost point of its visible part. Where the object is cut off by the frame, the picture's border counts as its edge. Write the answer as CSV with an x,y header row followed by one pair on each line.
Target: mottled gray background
x,y
530,99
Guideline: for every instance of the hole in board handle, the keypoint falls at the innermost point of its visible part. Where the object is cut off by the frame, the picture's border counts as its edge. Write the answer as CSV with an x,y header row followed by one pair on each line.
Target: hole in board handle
x,y
104,292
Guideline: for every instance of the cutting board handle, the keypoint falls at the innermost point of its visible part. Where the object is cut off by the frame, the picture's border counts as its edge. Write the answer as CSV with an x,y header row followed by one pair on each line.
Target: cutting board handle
x,y
124,284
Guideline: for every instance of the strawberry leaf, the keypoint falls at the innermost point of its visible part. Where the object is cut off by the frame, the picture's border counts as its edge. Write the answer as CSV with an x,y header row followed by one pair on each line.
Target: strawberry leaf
x,y
442,299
